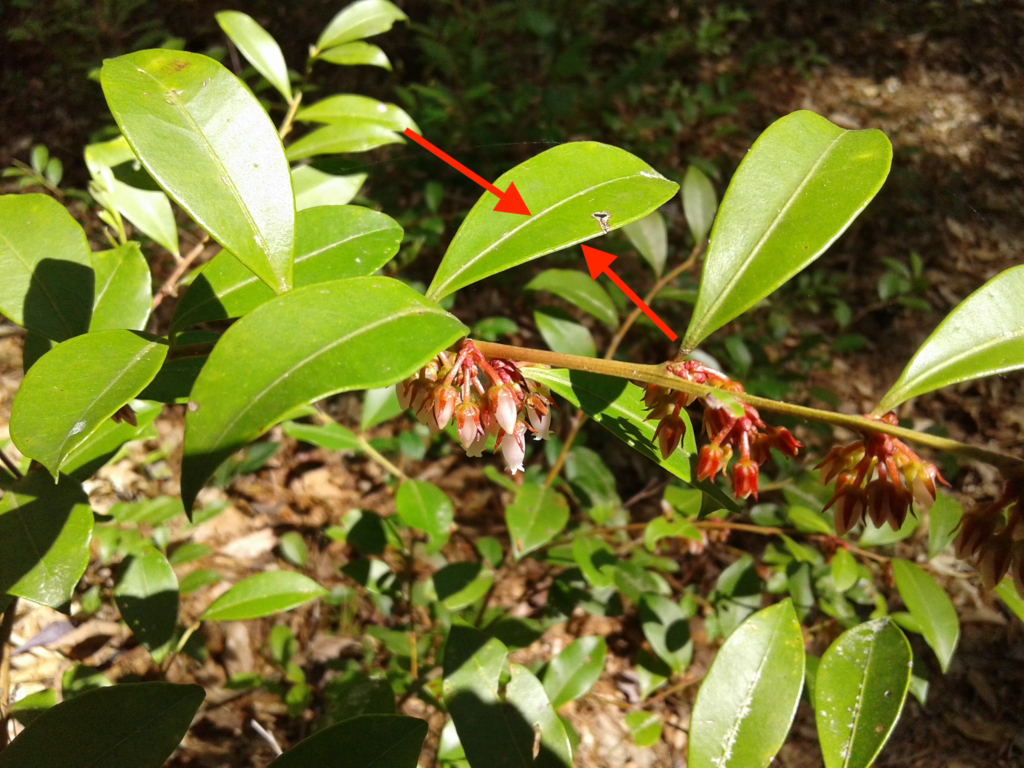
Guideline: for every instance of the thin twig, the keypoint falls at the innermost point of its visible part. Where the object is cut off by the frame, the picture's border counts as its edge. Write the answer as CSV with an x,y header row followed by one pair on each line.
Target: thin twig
x,y
6,627
170,285
370,451
11,465
267,736
293,107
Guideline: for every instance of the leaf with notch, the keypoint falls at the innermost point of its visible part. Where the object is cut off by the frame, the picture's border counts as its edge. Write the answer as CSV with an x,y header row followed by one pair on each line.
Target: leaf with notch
x,y
313,342
579,290
258,46
229,174
76,387
562,186
799,187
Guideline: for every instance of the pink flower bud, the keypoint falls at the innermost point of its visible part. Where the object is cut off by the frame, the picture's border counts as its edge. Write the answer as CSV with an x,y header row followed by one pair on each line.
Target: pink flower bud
x,y
445,397
505,409
539,415
513,447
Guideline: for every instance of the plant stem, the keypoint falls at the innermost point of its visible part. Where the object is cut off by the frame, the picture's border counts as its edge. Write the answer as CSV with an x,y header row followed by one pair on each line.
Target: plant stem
x,y
1012,466
171,283
581,417
376,456
6,627
293,107
11,465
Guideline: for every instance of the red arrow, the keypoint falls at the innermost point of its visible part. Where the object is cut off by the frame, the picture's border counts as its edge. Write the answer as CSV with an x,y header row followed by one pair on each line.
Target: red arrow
x,y
598,262
509,201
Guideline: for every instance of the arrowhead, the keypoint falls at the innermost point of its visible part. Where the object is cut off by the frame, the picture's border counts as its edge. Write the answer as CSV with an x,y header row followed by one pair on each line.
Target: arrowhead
x,y
512,202
597,261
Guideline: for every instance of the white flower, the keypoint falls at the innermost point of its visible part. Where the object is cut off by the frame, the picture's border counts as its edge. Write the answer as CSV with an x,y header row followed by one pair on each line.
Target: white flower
x,y
541,424
513,447
505,411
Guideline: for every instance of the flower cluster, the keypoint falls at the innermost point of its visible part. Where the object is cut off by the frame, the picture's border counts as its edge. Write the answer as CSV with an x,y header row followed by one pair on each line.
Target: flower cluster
x,y
733,427
506,408
994,540
878,475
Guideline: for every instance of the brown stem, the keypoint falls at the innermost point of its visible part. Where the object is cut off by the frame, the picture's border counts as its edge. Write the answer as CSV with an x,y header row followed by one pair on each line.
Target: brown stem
x,y
6,627
170,285
293,107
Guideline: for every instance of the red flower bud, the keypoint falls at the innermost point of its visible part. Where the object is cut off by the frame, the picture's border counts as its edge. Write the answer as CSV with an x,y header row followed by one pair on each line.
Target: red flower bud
x,y
709,461
849,509
744,479
783,441
878,501
975,530
668,434
994,560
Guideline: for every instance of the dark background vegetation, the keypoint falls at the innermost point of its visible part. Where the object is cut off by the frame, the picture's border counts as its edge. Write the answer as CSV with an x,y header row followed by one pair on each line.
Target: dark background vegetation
x,y
675,83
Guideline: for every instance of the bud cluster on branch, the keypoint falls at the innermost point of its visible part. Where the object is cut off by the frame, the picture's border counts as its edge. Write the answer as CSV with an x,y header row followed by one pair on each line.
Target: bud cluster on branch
x,y
992,537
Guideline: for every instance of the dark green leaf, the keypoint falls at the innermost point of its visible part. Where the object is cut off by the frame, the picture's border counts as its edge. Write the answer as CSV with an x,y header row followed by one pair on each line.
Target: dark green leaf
x,y
256,44
367,741
931,606
262,595
537,515
579,290
76,387
146,593
667,629
573,672
231,176
562,187
313,342
425,507
124,726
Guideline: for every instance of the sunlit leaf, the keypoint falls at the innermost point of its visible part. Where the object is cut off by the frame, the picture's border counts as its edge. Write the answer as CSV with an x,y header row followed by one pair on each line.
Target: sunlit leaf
x,y
350,135
314,188
537,515
943,520
1009,595
931,606
331,436
347,106
364,18
562,187
257,45
667,629
845,571
351,54
262,595
644,727
799,187
573,672
124,289
425,507
579,290
649,235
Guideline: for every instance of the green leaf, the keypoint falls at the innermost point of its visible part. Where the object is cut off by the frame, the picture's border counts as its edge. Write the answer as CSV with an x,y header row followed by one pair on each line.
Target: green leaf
x,y
294,549
132,192
619,407
351,54
187,552
845,571
526,695
315,341
379,405
943,520
799,187
807,520
862,683
595,559
459,585
348,106
651,671
876,536
563,334
699,203
39,158
562,187
331,243
579,290
104,443
82,679
262,595
931,606
351,135
663,528
667,629
47,284
1009,596
231,176
364,18
203,577
537,515
28,708
76,387
644,728
315,188
649,235
573,672
367,741
426,508
44,539
982,336
146,593
257,45
123,726
748,699
124,289
331,436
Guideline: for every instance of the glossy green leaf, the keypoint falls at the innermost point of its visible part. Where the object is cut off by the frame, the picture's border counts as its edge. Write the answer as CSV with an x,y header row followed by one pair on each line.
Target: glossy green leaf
x,y
799,187
294,549
44,538
644,727
103,444
262,595
257,45
537,515
313,342
845,571
619,407
579,290
123,726
331,436
649,236
379,405
364,18
230,175
748,699
943,520
526,695
563,334
132,192
366,741
982,336
1009,596
699,203
146,593
562,187
862,682
931,606
175,380
331,243
124,289
315,188
426,508
346,106
47,284
350,135
573,672
352,54
76,387
459,585
667,629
